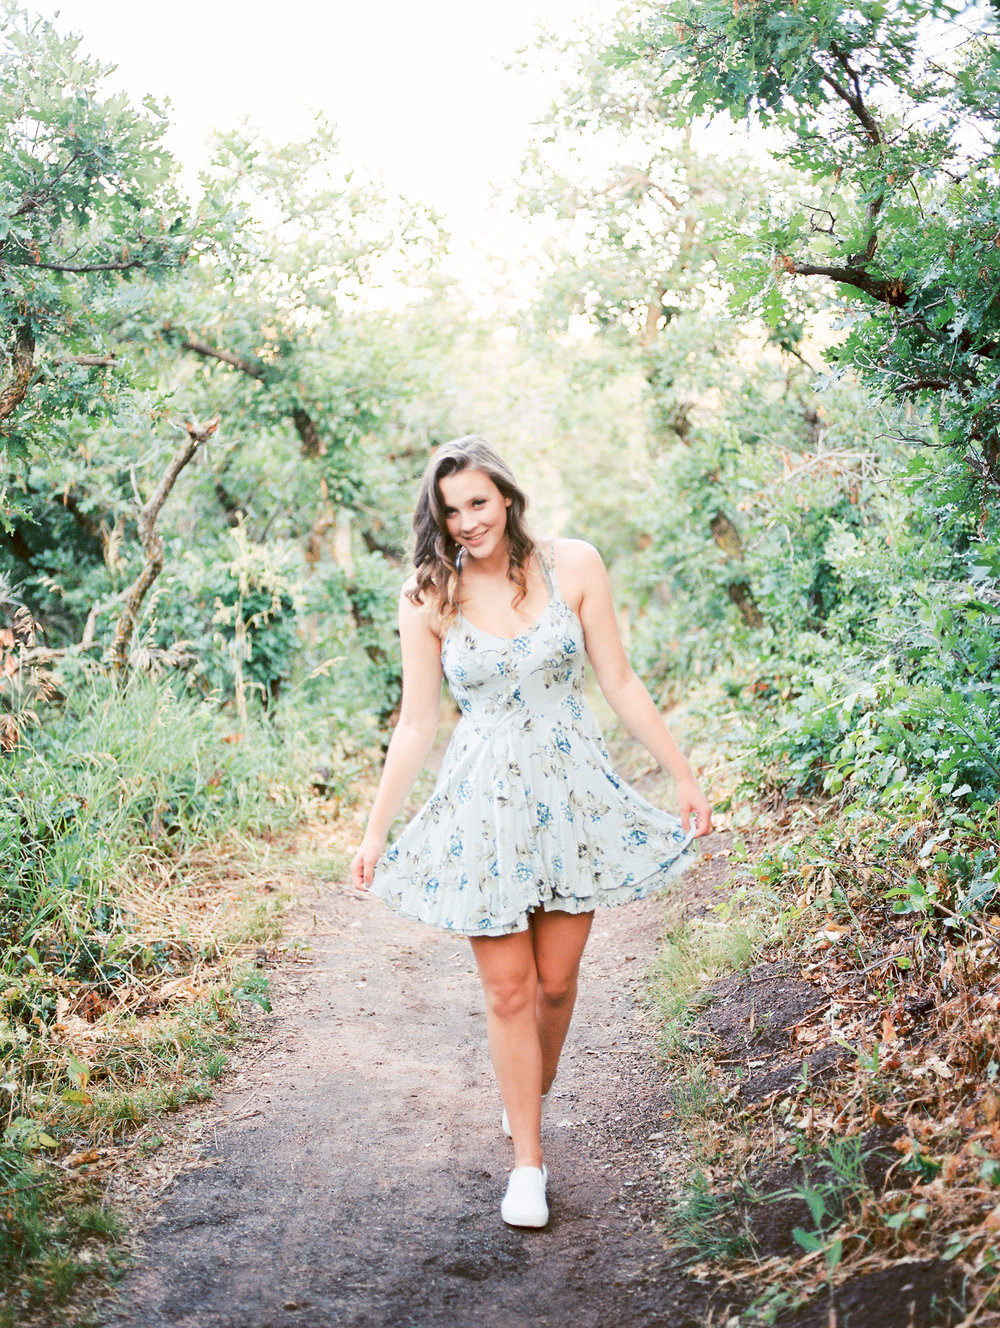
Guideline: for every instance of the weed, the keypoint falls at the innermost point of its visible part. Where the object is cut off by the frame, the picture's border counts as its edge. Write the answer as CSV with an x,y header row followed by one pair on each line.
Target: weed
x,y
693,953
692,1095
215,1066
708,1226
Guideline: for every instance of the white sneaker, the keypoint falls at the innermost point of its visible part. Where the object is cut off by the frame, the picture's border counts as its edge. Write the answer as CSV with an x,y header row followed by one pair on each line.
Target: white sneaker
x,y
524,1204
505,1123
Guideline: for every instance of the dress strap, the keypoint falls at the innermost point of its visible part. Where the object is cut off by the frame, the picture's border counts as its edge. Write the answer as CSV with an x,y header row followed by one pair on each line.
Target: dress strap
x,y
460,558
547,562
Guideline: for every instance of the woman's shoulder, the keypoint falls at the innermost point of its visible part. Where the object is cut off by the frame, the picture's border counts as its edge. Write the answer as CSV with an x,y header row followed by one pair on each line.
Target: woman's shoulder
x,y
574,555
420,605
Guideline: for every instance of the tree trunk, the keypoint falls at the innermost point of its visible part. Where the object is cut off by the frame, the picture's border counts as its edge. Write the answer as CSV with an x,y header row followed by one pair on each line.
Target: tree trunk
x,y
22,361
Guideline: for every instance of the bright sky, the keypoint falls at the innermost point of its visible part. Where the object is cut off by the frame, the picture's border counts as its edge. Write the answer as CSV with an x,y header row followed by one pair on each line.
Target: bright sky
x,y
419,90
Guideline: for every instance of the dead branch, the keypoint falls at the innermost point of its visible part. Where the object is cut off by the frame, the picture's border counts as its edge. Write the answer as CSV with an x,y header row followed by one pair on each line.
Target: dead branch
x,y
88,361
152,541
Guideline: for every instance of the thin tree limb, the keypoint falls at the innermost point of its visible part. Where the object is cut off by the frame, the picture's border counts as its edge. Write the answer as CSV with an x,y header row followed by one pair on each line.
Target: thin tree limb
x,y
305,426
90,626
152,541
31,201
873,132
88,361
120,265
258,370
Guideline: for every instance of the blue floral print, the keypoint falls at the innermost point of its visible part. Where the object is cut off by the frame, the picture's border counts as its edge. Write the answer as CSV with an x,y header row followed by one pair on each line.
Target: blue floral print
x,y
527,811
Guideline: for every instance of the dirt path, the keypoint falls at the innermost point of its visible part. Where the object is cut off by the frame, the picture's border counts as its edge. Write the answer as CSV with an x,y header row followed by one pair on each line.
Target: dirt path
x,y
355,1163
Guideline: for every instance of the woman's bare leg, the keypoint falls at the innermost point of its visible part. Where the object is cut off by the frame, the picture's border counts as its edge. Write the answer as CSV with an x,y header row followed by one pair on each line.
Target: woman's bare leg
x,y
530,982
558,941
510,984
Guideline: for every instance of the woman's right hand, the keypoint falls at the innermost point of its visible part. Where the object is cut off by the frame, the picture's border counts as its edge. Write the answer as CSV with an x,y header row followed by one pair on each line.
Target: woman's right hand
x,y
363,862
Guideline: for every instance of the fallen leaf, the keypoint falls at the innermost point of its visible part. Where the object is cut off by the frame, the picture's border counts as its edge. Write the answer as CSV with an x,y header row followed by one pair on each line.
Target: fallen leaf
x,y
81,1159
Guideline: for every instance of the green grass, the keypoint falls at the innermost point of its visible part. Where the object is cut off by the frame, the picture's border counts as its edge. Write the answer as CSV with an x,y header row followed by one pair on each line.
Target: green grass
x,y
693,953
125,798
692,1096
708,1227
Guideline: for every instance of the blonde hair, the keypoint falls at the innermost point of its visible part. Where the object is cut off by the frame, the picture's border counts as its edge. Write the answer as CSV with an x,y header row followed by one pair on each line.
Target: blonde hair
x,y
436,555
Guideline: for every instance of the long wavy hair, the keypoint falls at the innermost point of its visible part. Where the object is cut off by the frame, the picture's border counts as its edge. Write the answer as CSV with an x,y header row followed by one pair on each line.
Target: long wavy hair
x,y
436,556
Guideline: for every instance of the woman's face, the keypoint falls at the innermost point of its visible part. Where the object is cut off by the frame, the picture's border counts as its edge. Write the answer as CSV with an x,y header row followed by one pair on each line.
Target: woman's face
x,y
475,511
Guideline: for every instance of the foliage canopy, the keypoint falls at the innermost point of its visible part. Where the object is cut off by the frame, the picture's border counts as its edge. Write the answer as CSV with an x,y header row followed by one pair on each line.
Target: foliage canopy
x,y
890,114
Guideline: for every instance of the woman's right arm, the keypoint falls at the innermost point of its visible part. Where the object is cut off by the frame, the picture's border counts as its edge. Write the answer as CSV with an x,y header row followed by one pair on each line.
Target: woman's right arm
x,y
412,737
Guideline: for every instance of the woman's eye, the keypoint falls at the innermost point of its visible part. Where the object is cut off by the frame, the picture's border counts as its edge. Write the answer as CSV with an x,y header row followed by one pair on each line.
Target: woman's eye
x,y
478,502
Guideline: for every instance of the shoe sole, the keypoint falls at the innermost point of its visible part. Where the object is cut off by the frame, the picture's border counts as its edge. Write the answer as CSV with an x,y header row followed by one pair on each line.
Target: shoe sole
x,y
535,1223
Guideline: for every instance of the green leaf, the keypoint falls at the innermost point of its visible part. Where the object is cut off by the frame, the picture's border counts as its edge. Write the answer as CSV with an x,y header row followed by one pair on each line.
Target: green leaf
x,y
79,1071
807,1239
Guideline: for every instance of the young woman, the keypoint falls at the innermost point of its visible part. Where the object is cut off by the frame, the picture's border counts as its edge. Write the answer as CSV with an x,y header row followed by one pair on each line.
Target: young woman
x,y
528,828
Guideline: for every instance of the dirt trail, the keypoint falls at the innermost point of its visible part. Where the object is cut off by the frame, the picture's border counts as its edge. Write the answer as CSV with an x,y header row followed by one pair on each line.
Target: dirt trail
x,y
356,1163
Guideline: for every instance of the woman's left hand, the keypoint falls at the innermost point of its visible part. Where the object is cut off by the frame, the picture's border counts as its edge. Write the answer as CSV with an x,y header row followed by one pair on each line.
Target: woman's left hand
x,y
693,803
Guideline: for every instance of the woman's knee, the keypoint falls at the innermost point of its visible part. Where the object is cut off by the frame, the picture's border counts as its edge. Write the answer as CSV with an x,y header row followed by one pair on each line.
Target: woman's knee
x,y
557,988
509,997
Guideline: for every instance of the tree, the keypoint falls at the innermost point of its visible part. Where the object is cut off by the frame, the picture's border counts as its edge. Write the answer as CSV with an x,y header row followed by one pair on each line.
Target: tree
x,y
891,114
128,314
635,201
640,253
87,207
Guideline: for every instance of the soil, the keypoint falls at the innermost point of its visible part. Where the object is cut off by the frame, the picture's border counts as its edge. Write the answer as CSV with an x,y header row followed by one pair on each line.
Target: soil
x,y
350,1170
904,1294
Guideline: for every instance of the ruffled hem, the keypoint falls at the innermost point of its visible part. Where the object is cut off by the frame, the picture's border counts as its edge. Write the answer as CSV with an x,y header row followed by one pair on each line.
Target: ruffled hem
x,y
515,919
528,815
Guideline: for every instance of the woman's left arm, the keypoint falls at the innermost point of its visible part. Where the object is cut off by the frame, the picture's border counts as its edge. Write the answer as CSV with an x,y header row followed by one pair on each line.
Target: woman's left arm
x,y
585,577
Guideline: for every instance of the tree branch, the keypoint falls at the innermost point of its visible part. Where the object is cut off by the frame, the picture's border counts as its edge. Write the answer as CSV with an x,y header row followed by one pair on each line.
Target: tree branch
x,y
925,385
87,640
258,370
88,361
651,322
892,292
120,265
305,426
151,541
31,201
855,100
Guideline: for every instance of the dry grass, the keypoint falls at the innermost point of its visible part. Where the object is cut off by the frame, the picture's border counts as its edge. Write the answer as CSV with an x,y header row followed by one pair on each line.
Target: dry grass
x,y
914,1004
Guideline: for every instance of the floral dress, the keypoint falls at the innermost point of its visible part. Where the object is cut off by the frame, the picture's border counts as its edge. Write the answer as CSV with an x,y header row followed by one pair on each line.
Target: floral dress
x,y
527,811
